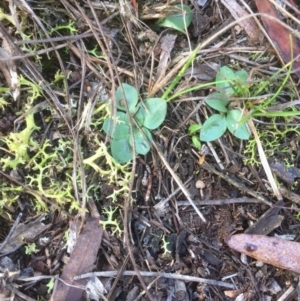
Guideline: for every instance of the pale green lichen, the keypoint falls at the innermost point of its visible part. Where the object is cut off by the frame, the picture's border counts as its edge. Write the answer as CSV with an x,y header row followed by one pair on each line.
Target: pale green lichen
x,y
49,165
19,143
272,138
114,172
110,221
165,248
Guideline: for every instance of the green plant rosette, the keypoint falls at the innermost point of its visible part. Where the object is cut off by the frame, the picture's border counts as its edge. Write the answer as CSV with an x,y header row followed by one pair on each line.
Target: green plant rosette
x,y
156,111
237,128
131,97
218,101
121,151
117,128
141,144
231,80
213,128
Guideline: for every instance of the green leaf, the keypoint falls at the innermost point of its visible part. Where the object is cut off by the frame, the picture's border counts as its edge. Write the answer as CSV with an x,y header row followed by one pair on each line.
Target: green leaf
x,y
194,128
239,130
121,151
218,101
140,115
180,17
213,128
50,285
196,142
156,110
227,74
232,78
141,144
117,129
131,96
241,76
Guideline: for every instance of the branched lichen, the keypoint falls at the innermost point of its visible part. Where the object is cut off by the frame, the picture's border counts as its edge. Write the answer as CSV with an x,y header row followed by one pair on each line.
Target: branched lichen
x,y
19,143
165,248
119,175
110,221
272,139
48,166
34,90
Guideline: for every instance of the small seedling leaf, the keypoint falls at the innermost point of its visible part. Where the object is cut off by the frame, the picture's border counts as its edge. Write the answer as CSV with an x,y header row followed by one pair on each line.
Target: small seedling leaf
x,y
117,129
180,18
194,128
227,74
156,110
131,95
218,101
213,128
121,151
196,142
236,128
141,144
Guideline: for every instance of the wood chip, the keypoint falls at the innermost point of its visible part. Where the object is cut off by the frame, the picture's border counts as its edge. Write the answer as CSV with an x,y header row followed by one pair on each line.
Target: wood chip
x,y
275,251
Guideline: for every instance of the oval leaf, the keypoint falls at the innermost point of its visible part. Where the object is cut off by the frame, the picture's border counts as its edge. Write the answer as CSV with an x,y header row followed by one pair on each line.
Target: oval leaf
x,y
141,144
218,101
121,151
117,129
213,128
236,128
131,96
181,16
194,128
156,110
140,115
196,142
228,75
241,76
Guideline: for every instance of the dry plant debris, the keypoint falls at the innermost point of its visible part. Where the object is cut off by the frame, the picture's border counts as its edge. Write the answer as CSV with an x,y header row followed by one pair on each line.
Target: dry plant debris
x,y
275,251
82,258
285,43
156,227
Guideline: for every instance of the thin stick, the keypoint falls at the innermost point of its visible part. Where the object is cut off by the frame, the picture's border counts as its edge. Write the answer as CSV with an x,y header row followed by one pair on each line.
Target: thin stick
x,y
231,181
158,274
264,161
118,278
148,287
161,204
178,181
242,200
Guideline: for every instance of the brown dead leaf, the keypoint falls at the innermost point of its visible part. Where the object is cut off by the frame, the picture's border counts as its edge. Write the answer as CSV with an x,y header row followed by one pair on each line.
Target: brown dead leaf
x,y
248,25
81,261
167,44
24,233
205,72
9,69
275,251
279,34
269,221
280,171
